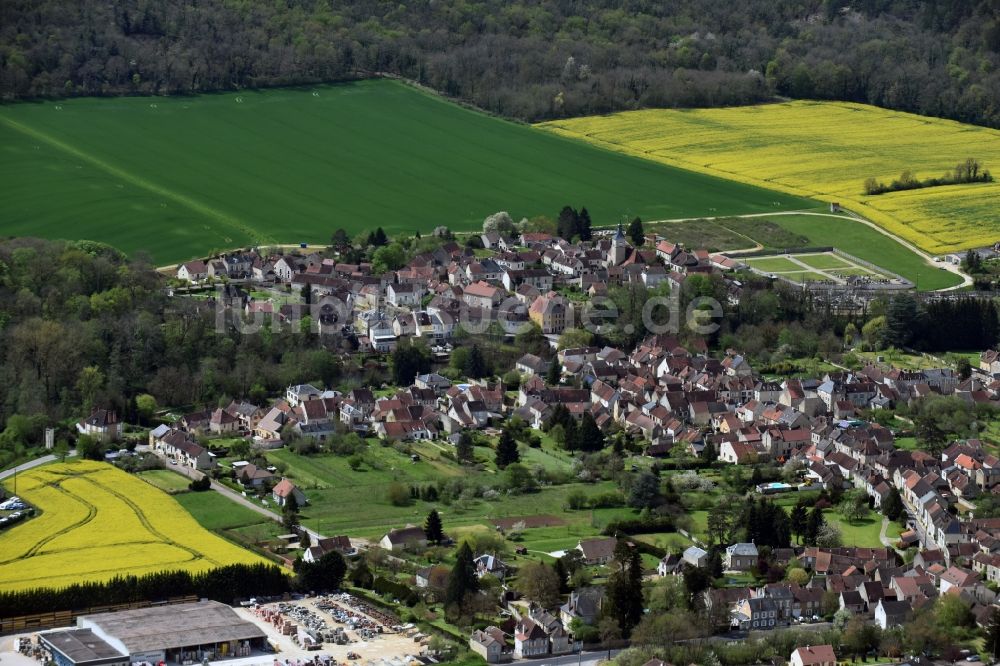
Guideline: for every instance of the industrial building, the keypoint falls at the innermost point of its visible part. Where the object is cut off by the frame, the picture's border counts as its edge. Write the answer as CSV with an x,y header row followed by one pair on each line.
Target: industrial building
x,y
173,634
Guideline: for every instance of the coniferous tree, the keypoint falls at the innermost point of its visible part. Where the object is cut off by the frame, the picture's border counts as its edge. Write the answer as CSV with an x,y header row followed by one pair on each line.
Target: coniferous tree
x,y
714,565
623,594
799,523
816,523
507,452
589,436
464,450
379,238
992,635
290,513
583,225
636,232
567,223
463,580
901,322
892,506
554,374
709,453
560,568
433,529
475,363
560,416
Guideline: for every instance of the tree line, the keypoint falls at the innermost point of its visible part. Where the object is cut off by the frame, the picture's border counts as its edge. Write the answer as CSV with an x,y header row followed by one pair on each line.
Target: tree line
x,y
226,584
528,59
969,171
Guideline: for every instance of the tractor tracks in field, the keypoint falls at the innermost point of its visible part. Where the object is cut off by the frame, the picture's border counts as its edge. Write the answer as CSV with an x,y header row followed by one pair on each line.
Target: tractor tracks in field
x,y
214,214
195,555
38,545
92,510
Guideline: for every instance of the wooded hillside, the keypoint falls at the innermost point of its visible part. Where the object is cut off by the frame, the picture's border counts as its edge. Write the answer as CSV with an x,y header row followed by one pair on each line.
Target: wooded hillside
x,y
530,59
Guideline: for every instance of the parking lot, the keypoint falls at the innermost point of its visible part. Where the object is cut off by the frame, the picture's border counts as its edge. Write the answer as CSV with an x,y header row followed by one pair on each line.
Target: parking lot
x,y
343,627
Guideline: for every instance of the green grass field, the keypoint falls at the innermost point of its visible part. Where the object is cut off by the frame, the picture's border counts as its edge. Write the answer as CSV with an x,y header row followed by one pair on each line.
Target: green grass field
x,y
866,243
774,264
824,261
864,533
813,267
216,512
181,176
165,480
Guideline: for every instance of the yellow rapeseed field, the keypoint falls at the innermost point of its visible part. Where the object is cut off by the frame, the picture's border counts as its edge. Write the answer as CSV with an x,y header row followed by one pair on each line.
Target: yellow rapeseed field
x,y
97,521
824,150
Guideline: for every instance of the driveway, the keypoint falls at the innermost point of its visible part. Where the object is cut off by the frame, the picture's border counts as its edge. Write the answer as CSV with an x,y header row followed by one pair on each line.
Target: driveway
x,y
886,541
239,498
24,467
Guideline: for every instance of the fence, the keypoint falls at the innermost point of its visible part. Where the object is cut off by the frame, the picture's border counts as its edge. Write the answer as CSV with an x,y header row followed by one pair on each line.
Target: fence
x,y
897,283
787,250
67,618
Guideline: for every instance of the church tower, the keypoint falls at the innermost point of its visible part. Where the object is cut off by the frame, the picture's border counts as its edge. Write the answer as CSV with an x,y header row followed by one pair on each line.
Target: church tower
x,y
619,247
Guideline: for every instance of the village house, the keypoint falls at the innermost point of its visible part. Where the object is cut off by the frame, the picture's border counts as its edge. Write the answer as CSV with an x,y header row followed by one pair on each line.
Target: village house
x,y
813,655
404,538
891,613
584,606
284,490
530,640
597,551
340,544
193,271
490,644
740,557
552,313
251,476
102,424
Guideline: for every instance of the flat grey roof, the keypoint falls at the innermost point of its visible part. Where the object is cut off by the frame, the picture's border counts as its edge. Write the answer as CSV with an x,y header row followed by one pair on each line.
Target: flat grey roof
x,y
81,646
175,626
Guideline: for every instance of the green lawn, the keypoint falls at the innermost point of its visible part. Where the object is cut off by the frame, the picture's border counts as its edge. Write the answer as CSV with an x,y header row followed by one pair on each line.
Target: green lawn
x,y
180,176
863,242
774,264
216,512
822,261
803,276
669,541
165,480
863,533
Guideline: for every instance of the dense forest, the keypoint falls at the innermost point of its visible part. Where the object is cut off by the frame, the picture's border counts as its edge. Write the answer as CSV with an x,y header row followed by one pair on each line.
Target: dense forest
x,y
528,59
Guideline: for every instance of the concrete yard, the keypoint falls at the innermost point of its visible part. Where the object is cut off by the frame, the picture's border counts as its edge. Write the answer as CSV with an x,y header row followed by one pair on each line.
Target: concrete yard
x,y
387,646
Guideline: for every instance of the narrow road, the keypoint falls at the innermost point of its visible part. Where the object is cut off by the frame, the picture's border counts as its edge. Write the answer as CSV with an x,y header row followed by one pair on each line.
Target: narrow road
x,y
24,467
886,541
587,658
231,494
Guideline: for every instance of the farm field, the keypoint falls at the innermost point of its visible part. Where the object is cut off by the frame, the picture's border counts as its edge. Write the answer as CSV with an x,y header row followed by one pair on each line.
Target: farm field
x,y
97,522
179,177
824,150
